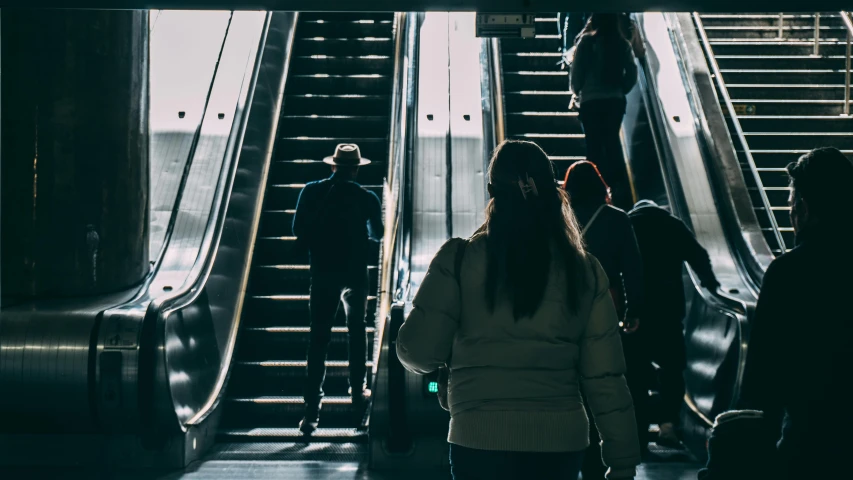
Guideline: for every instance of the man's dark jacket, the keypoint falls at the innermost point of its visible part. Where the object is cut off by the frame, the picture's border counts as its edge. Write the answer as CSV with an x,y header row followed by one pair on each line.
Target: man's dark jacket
x,y
665,244
332,219
799,353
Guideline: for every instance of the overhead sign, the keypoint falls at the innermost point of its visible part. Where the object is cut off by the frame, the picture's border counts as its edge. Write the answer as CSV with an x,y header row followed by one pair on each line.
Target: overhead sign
x,y
502,25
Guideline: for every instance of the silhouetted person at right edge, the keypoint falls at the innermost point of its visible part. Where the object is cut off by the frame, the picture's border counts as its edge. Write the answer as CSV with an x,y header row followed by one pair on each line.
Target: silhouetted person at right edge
x,y
798,368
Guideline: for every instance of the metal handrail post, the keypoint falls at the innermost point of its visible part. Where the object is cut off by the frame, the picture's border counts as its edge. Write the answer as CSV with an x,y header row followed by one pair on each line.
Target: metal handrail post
x,y
741,137
817,34
848,22
847,76
781,25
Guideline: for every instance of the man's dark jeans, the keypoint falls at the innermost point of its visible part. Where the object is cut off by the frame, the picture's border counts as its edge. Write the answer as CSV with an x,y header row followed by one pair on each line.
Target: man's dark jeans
x,y
328,292
602,122
471,464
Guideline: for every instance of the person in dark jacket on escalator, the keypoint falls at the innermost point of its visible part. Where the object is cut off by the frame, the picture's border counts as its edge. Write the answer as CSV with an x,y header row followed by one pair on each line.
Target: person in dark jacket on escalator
x,y
665,244
336,219
608,235
603,71
801,338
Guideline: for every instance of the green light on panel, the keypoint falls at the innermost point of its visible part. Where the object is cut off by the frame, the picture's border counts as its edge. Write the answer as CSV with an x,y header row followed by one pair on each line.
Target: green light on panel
x,y
432,387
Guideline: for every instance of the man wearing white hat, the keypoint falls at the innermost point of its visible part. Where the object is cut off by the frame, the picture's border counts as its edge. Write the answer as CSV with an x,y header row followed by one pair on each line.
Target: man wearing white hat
x,y
335,218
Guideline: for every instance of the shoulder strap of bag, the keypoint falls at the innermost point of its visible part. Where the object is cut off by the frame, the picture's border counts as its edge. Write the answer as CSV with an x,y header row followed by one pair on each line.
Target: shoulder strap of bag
x,y
592,220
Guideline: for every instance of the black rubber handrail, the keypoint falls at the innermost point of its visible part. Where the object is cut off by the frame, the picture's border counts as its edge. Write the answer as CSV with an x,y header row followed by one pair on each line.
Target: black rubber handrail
x,y
388,415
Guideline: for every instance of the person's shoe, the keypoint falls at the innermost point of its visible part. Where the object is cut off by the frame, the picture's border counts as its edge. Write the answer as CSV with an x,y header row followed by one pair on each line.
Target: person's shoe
x,y
359,404
668,437
309,422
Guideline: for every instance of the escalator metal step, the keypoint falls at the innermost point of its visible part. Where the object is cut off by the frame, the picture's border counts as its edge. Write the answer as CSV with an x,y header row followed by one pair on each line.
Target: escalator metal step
x,y
284,171
343,46
345,28
283,197
271,279
317,147
337,104
281,434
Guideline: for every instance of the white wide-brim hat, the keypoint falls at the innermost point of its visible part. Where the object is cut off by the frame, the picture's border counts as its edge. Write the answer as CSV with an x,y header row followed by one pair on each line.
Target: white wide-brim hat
x,y
347,155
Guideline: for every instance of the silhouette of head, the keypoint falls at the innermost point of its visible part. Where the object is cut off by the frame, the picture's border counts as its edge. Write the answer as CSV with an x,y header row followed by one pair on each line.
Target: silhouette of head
x,y
820,183
585,184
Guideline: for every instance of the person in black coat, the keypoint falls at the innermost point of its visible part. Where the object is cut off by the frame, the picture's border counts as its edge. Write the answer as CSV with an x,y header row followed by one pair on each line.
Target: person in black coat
x,y
665,244
801,338
336,219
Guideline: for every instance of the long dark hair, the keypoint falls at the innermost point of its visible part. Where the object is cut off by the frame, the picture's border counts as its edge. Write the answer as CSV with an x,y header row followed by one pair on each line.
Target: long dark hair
x,y
609,31
527,215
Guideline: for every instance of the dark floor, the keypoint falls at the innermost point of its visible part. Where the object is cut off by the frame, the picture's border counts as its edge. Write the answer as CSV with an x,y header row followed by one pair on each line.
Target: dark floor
x,y
315,462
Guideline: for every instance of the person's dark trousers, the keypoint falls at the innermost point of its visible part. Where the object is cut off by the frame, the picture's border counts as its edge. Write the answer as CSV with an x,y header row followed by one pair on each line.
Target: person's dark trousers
x,y
602,122
666,348
593,466
328,293
471,464
639,377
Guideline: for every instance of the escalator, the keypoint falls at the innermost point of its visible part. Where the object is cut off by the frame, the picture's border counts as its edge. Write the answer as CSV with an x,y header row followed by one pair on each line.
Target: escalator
x,y
536,95
759,92
211,347
781,82
338,90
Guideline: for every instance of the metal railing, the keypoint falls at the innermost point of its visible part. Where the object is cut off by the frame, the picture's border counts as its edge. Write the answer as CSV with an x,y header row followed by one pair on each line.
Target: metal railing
x,y
781,30
741,138
848,24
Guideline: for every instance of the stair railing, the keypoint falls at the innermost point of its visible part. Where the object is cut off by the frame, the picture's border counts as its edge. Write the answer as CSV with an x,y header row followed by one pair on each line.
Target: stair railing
x,y
816,34
741,137
848,23
781,25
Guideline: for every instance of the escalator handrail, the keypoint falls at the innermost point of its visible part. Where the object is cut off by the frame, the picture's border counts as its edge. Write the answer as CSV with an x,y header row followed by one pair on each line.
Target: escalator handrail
x,y
727,100
397,248
160,309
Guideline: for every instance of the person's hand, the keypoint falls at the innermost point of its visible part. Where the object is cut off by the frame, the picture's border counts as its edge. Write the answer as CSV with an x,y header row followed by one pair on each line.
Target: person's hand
x,y
630,325
624,474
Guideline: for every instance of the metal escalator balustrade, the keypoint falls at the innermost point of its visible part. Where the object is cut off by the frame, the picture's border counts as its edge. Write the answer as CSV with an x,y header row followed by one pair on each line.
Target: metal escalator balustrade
x,y
785,78
339,90
536,95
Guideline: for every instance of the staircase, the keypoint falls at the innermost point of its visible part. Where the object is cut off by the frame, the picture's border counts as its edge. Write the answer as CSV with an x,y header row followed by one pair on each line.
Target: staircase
x,y
787,100
536,95
338,90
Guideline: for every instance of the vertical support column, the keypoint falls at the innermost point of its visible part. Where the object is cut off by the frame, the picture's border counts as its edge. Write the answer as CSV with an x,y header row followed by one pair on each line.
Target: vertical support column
x,y
74,152
781,25
816,34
